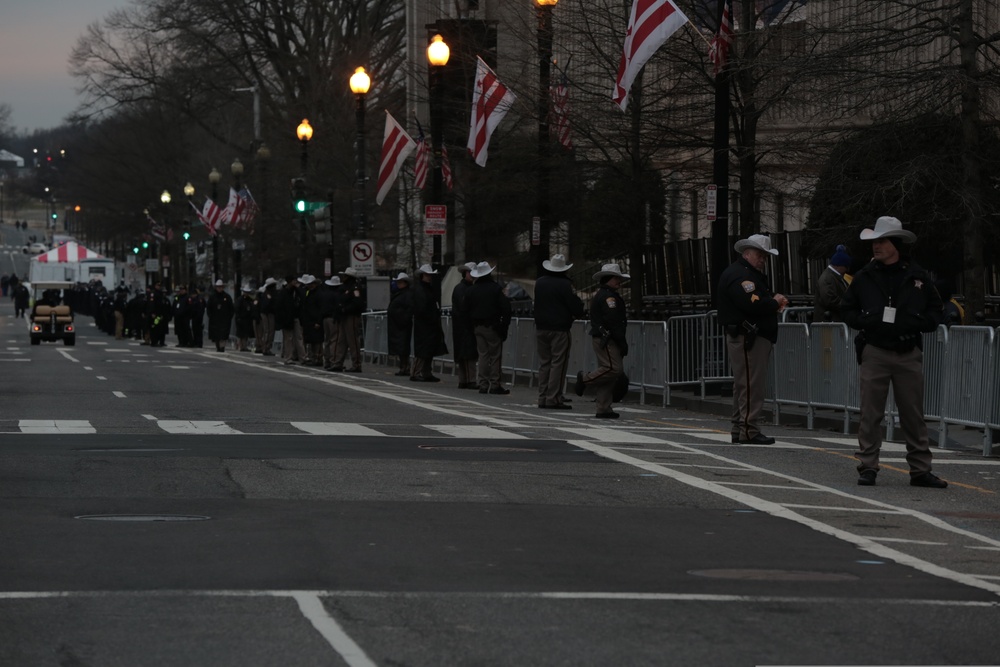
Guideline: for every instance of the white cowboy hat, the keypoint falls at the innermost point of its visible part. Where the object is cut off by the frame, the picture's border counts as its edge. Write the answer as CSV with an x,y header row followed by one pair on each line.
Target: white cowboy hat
x,y
402,276
482,269
888,227
307,279
219,283
246,288
758,241
332,282
426,268
468,266
611,270
350,271
269,282
557,264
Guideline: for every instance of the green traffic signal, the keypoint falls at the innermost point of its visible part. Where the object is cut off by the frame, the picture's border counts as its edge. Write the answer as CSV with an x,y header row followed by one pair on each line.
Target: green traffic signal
x,y
187,235
55,216
301,205
135,250
145,245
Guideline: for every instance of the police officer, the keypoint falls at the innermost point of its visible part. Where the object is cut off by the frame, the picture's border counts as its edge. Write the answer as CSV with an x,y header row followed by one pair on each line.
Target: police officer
x,y
608,323
556,308
748,312
487,308
893,301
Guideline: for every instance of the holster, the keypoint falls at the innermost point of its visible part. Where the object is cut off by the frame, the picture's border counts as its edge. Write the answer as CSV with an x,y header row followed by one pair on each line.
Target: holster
x,y
859,345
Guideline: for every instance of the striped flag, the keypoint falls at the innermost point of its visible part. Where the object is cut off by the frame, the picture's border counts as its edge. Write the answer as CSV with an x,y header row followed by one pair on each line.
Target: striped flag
x,y
650,25
560,114
446,168
249,210
718,52
234,209
396,146
210,215
422,165
491,100
157,230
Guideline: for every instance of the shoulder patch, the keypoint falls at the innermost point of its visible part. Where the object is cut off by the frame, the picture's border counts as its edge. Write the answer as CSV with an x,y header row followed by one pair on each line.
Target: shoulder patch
x,y
748,286
611,302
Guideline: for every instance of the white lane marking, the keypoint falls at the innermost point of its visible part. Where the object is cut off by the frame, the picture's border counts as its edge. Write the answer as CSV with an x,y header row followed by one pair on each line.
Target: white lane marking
x,y
335,428
968,546
119,394
88,368
151,418
494,595
179,368
101,377
117,349
777,510
55,426
611,435
312,608
770,486
67,355
938,460
181,427
473,431
839,508
902,540
97,342
20,360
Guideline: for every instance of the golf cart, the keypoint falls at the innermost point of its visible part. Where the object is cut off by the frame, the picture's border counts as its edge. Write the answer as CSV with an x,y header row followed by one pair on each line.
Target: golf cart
x,y
51,319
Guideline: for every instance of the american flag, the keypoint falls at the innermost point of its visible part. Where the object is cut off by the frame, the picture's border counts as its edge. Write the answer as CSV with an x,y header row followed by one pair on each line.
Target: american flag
x,y
421,167
718,53
650,25
157,230
210,215
248,212
491,100
560,114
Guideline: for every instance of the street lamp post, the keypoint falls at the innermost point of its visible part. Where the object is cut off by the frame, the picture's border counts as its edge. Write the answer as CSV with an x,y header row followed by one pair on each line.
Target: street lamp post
x,y
237,169
189,256
360,83
164,273
263,157
437,56
544,83
304,132
214,177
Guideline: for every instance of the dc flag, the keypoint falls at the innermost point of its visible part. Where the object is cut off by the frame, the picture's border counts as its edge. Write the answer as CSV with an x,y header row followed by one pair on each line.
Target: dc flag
x,y
491,100
650,25
396,146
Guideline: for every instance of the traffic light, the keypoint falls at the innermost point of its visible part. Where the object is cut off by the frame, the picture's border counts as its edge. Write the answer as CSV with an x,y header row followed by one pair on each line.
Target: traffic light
x,y
145,245
186,235
135,248
323,225
299,202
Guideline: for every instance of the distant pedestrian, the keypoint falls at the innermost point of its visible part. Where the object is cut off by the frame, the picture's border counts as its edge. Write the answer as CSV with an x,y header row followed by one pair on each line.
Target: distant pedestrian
x,y
830,287
893,302
954,312
22,298
608,325
556,308
220,316
748,312
488,309
399,318
287,304
182,316
311,320
266,309
243,316
329,298
463,338
349,327
428,335
197,317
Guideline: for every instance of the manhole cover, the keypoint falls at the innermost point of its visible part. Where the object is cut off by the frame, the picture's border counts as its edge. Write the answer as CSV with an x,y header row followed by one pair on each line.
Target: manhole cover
x,y
462,448
773,575
143,517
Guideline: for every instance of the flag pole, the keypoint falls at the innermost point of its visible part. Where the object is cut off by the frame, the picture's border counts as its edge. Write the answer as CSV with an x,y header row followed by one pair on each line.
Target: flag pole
x,y
699,33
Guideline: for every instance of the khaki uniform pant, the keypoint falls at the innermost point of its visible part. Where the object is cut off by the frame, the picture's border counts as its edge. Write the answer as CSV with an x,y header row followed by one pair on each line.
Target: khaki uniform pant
x,y
905,371
267,331
349,338
291,344
603,379
553,360
119,325
330,332
490,346
749,381
466,371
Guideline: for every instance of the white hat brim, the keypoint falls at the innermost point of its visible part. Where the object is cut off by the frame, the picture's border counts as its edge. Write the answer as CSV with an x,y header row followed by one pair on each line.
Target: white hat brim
x,y
746,243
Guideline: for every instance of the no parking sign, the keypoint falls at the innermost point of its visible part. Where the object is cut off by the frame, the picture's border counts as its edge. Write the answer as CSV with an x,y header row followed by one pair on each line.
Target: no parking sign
x,y
363,257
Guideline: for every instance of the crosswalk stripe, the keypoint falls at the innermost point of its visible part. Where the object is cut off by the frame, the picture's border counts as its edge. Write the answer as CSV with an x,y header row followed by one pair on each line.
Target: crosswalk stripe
x,y
473,431
55,426
335,428
197,427
598,434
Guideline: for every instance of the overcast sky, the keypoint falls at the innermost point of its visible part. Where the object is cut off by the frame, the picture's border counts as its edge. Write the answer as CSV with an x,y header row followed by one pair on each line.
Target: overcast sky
x,y
36,37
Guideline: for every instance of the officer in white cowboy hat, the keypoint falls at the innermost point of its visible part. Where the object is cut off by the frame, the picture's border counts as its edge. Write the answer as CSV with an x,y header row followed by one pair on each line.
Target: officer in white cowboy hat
x,y
893,302
748,312
287,304
463,337
311,320
428,335
244,318
556,307
352,305
399,321
220,308
329,298
608,323
488,309
266,309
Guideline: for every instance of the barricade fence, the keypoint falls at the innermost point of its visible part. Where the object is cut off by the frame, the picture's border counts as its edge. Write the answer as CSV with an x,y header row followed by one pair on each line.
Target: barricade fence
x,y
813,366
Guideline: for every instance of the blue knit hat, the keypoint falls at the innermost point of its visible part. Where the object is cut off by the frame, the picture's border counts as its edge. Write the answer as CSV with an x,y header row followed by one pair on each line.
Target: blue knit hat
x,y
841,257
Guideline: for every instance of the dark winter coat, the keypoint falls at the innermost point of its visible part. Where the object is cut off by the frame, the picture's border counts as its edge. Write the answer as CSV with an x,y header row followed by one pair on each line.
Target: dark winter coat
x,y
287,304
311,316
220,315
399,317
244,316
428,336
462,336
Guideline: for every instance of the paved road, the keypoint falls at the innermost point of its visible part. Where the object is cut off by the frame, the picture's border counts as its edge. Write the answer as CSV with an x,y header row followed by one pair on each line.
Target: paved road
x,y
309,518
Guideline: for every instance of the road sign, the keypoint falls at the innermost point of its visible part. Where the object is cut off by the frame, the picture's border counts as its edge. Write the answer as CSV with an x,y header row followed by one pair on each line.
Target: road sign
x,y
711,200
189,247
435,219
363,257
152,266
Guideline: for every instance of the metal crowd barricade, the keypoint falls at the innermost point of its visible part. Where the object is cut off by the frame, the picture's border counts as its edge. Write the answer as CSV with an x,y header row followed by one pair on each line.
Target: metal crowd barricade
x,y
376,336
936,369
833,368
789,370
970,385
651,344
521,350
685,336
994,420
714,353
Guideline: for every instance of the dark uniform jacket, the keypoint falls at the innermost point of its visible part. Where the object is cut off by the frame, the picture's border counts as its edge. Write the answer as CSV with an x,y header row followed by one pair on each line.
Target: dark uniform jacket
x,y
244,316
400,320
744,295
220,315
830,288
904,286
556,304
352,301
486,305
287,304
428,336
462,335
608,317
